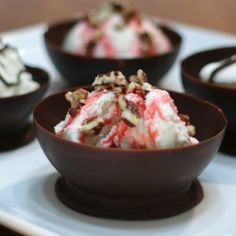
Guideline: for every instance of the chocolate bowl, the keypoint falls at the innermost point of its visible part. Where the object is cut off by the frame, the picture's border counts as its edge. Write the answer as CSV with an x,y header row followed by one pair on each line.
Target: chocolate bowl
x,y
15,128
130,183
81,70
223,96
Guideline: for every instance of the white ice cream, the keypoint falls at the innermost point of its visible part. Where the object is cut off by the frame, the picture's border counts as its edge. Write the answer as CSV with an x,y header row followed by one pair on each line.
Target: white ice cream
x,y
14,79
116,38
226,75
132,119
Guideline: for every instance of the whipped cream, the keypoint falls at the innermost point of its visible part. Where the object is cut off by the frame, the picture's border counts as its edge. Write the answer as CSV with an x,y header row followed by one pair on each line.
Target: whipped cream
x,y
125,114
222,72
14,78
116,32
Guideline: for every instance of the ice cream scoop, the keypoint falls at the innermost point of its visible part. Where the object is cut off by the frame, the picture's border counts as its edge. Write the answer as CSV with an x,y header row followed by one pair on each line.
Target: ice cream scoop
x,y
222,72
125,113
14,77
114,31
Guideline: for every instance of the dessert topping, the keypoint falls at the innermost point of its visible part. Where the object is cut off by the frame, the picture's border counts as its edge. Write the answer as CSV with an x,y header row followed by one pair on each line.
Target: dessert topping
x,y
76,98
14,76
11,65
92,126
110,80
137,116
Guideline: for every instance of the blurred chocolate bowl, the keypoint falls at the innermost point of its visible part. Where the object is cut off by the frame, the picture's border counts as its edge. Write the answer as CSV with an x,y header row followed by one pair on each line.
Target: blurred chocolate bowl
x,y
130,183
15,126
81,70
220,86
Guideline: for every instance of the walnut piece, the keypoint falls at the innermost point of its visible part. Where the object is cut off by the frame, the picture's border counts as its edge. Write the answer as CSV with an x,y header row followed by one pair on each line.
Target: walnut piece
x,y
92,126
122,102
139,83
140,78
191,130
113,79
129,111
77,97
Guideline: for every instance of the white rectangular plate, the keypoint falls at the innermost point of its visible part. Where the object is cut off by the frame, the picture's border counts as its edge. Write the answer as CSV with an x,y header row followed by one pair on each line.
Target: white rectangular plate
x,y
27,200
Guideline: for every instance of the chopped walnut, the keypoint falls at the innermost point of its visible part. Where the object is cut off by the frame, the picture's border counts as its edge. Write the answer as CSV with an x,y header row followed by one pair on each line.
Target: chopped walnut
x,y
147,87
129,111
77,97
98,16
92,126
138,83
122,102
191,130
113,79
140,78
133,86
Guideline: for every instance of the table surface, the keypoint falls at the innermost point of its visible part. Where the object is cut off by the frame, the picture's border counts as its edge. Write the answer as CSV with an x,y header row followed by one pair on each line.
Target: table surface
x,y
216,14
23,213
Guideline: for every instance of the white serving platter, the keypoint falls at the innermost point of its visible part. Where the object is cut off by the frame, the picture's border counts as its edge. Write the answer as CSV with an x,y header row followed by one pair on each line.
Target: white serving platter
x,y
27,200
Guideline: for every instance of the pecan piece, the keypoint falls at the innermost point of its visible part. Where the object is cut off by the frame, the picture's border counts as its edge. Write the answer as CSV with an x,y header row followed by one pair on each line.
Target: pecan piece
x,y
140,78
122,102
129,111
77,97
191,130
93,126
111,80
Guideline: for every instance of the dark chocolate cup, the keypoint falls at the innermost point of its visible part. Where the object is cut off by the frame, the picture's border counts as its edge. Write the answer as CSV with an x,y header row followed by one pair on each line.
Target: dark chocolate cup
x,y
130,184
81,70
15,128
222,96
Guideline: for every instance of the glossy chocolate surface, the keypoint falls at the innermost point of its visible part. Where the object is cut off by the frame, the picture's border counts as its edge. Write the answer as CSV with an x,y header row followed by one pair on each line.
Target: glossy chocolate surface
x,y
81,70
222,96
125,208
130,174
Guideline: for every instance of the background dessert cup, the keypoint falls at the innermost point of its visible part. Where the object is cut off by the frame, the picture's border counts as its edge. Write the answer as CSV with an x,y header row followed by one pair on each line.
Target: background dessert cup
x,y
222,95
81,70
15,127
130,184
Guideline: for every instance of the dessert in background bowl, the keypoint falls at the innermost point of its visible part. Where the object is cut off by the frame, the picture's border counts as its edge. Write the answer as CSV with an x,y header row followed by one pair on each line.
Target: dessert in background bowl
x,y
210,75
112,37
115,31
124,151
21,87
